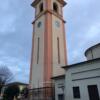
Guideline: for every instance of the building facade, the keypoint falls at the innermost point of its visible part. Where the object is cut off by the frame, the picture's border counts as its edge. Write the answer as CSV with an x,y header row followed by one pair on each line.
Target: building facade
x,y
59,87
48,44
82,80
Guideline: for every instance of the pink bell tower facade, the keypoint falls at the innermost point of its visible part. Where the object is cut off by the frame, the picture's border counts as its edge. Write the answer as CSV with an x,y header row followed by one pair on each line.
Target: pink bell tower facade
x,y
48,43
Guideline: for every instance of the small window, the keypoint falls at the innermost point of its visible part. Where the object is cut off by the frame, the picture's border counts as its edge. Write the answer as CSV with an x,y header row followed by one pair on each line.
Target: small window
x,y
55,7
61,97
76,92
41,7
39,24
38,47
58,46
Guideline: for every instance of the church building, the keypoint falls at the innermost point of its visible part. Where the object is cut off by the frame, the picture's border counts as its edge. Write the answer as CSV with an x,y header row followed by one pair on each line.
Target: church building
x,y
81,81
48,43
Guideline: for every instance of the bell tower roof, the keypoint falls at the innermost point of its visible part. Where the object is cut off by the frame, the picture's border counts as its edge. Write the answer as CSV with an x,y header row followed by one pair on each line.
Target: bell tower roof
x,y
35,2
62,2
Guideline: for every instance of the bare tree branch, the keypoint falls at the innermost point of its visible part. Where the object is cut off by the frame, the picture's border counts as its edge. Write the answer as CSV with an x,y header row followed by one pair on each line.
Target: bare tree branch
x,y
5,75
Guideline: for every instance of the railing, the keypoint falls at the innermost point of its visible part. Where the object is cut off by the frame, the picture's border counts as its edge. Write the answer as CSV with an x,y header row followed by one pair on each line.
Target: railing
x,y
45,93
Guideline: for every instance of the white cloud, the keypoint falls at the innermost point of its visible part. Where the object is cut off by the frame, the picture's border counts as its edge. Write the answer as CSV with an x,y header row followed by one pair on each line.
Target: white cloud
x,y
7,25
82,28
94,31
4,5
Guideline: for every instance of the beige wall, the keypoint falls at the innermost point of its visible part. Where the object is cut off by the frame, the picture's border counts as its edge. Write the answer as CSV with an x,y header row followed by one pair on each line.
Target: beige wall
x,y
57,32
37,7
37,69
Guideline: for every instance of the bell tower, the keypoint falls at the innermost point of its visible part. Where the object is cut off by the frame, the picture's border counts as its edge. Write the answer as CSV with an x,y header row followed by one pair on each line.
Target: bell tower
x,y
49,43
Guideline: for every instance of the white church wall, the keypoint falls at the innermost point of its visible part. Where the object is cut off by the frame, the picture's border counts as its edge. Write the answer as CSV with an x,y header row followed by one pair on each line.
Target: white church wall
x,y
83,85
82,75
96,52
59,87
89,55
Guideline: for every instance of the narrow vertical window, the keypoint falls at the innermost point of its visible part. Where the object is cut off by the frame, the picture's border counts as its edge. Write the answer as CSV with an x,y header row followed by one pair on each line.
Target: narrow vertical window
x,y
58,47
76,92
55,7
41,7
61,97
38,46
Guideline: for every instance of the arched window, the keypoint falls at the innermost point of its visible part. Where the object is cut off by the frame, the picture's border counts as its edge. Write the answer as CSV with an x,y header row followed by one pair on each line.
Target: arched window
x,y
41,7
55,7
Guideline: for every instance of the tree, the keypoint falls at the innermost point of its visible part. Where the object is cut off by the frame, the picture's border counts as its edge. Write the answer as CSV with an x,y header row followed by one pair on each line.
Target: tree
x,y
6,76
11,91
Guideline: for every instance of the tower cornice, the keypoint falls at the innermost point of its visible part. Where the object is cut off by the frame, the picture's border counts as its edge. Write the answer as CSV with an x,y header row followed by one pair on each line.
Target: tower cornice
x,y
62,2
35,2
51,12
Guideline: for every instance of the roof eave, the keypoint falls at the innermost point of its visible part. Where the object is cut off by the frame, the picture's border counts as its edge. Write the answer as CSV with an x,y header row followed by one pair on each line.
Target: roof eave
x,y
84,62
63,2
58,77
35,3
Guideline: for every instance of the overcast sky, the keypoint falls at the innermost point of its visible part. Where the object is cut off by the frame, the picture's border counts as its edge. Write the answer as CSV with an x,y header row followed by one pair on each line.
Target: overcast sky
x,y
82,31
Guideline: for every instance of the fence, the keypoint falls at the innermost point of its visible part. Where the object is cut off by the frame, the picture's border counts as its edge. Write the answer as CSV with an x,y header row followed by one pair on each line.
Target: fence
x,y
45,93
